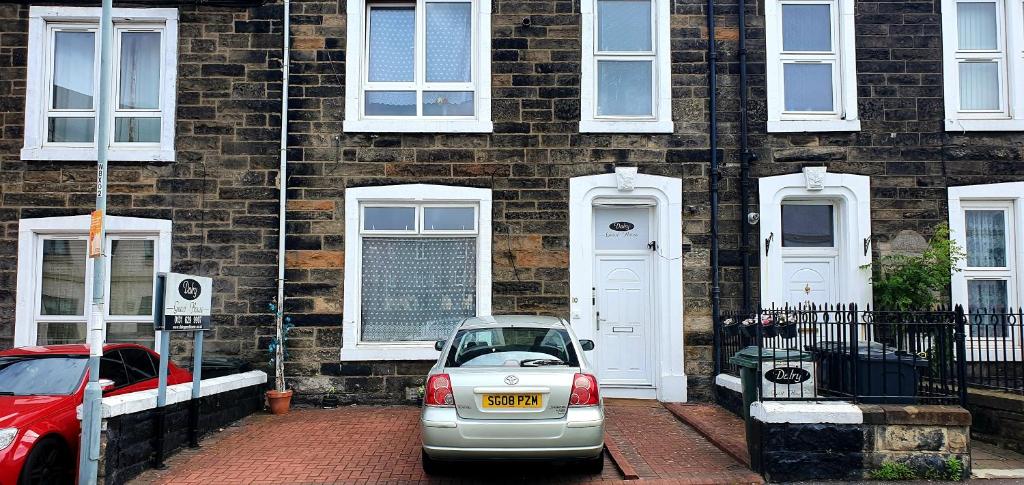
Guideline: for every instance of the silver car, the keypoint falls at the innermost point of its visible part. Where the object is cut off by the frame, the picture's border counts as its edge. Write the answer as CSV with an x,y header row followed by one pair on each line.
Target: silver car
x,y
512,387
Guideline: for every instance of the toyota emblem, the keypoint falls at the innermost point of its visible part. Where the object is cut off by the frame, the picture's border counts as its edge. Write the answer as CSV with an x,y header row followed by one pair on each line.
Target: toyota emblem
x,y
511,380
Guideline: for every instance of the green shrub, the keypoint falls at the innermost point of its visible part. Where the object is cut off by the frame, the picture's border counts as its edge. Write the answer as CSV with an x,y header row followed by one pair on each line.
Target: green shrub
x,y
903,282
954,469
891,470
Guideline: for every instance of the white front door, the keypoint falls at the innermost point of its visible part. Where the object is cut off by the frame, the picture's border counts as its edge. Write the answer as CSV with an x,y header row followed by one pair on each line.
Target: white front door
x,y
810,281
810,253
623,294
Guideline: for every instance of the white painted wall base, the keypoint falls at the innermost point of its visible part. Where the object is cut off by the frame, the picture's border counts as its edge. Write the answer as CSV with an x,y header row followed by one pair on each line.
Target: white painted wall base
x,y
140,401
729,382
673,388
838,412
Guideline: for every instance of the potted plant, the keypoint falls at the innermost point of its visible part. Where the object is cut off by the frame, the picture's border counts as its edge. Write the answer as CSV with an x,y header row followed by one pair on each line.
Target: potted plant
x,y
748,328
330,398
730,328
787,326
768,327
279,398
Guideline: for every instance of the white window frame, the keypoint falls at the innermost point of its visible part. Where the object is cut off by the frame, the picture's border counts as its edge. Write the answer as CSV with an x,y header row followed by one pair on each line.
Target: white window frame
x,y
420,195
1009,197
1010,116
661,119
42,23
31,233
357,57
843,58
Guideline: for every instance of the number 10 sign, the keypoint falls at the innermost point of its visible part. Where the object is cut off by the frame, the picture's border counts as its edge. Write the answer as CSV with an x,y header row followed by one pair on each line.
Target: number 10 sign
x,y
187,301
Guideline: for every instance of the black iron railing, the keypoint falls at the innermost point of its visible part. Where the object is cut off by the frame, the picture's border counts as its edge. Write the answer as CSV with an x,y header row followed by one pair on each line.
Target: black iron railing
x,y
842,352
994,348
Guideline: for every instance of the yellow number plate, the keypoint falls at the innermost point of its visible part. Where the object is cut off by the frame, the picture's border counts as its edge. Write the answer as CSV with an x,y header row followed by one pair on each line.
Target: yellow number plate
x,y
511,401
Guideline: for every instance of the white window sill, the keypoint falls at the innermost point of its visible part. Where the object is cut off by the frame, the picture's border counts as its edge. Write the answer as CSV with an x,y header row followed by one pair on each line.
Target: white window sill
x,y
985,125
113,154
618,126
418,126
812,126
389,352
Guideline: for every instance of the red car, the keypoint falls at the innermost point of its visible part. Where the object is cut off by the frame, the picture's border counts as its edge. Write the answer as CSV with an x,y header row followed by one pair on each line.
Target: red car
x,y
40,388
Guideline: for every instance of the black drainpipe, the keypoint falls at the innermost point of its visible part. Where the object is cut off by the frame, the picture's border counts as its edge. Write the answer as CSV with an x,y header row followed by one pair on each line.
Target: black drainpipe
x,y
716,291
745,158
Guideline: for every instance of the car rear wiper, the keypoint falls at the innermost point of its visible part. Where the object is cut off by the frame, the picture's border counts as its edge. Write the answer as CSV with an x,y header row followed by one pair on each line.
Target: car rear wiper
x,y
540,362
7,393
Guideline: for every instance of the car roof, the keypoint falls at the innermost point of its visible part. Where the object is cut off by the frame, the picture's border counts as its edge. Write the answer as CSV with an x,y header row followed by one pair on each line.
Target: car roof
x,y
67,349
542,321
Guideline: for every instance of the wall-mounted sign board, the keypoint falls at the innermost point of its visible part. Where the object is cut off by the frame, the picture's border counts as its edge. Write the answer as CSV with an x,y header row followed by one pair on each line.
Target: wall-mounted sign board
x,y
187,302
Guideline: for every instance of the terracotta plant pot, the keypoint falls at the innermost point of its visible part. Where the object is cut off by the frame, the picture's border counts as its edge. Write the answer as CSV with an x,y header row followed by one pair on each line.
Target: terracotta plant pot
x,y
279,401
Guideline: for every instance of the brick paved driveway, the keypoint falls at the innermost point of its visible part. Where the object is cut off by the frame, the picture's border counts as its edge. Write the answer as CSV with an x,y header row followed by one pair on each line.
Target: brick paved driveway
x,y
377,445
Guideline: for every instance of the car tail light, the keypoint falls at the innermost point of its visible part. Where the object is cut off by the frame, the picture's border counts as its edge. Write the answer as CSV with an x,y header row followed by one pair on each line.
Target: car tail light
x,y
584,391
438,391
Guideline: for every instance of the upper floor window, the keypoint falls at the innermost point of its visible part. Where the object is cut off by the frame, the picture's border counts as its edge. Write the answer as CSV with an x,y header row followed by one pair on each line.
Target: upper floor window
x,y
418,67
983,43
63,92
626,67
55,279
812,83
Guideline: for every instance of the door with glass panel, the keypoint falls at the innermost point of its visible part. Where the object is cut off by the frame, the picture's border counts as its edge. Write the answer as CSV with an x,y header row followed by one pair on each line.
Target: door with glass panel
x,y
65,289
990,270
810,253
624,305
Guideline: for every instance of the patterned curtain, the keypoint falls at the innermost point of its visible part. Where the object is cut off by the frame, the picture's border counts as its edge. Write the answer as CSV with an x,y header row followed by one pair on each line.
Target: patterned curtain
x,y
986,238
416,288
986,300
449,42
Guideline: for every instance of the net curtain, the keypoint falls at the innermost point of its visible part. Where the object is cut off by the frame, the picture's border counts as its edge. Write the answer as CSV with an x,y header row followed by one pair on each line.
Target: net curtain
x,y
416,289
449,48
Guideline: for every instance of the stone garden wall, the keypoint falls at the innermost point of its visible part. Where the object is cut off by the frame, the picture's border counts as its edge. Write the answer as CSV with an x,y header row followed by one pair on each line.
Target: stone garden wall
x,y
998,418
128,440
858,444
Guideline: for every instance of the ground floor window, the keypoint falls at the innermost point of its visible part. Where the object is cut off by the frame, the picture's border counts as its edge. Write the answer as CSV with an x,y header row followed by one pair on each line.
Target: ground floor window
x,y
417,263
984,221
55,279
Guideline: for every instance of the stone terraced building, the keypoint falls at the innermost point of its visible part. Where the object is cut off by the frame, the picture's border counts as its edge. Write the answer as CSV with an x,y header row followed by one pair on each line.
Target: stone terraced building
x,y
458,157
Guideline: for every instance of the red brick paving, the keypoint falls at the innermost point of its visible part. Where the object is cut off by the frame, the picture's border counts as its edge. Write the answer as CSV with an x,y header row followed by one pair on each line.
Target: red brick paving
x,y
380,445
721,427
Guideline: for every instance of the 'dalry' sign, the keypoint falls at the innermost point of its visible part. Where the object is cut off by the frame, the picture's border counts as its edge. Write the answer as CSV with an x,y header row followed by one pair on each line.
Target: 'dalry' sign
x,y
187,301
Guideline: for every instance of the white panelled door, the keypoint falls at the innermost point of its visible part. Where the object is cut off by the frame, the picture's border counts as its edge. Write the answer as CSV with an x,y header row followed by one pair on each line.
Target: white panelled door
x,y
810,281
624,320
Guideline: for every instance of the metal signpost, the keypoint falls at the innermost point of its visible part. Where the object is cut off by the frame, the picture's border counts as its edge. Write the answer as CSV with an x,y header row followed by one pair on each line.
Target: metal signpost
x,y
89,449
183,305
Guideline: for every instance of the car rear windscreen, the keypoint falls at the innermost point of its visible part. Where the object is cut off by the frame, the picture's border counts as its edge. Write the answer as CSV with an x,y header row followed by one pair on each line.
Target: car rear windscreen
x,y
41,375
511,346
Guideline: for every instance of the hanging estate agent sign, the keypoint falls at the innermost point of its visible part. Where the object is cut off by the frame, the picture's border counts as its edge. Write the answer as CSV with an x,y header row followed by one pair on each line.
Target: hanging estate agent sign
x,y
187,301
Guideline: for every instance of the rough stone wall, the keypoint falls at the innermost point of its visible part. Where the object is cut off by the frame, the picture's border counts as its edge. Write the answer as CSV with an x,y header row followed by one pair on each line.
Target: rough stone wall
x,y
998,418
921,437
219,192
527,161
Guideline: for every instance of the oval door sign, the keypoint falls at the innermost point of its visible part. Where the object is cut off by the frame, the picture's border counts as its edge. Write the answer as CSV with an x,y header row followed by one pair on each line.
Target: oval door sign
x,y
787,375
621,226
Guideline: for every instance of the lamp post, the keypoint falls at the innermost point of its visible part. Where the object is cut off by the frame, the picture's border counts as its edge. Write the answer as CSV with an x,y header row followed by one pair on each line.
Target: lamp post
x,y
89,451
